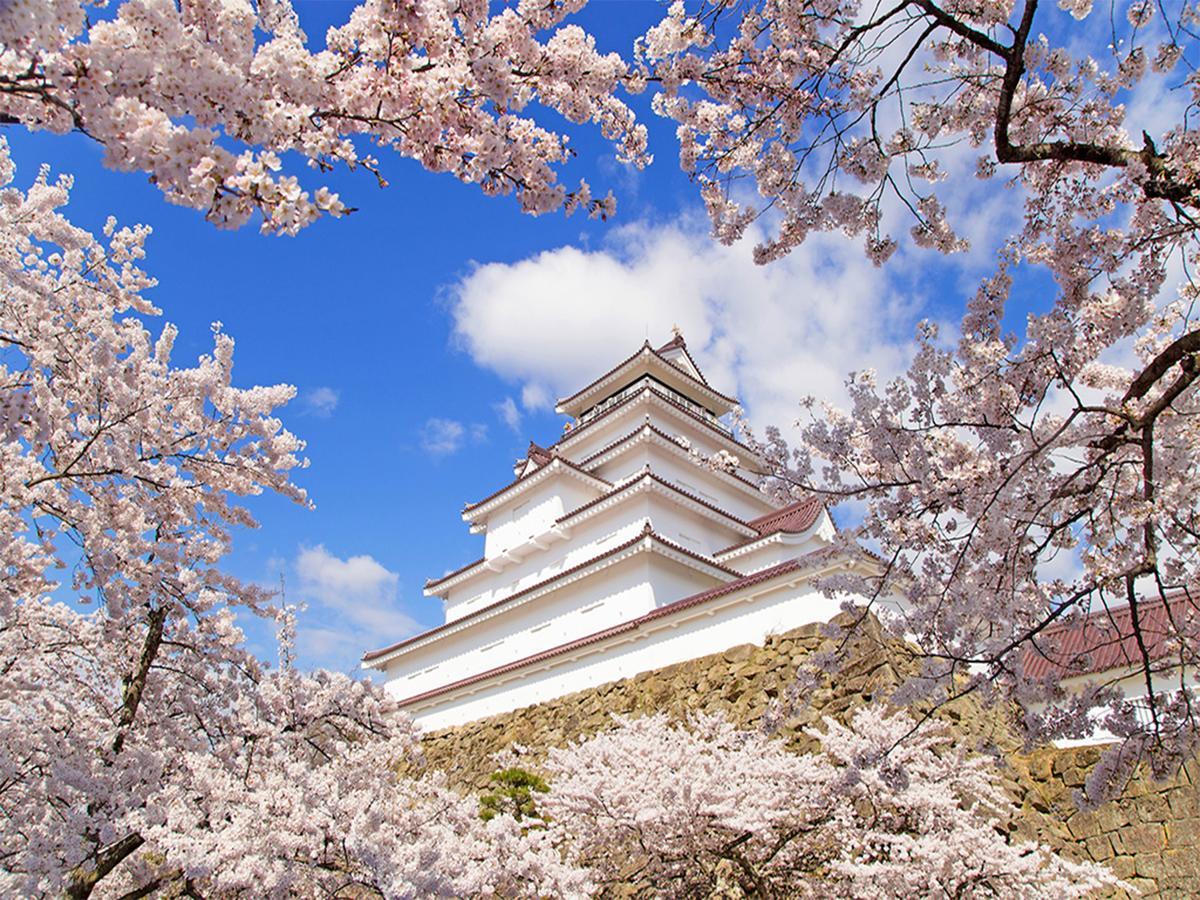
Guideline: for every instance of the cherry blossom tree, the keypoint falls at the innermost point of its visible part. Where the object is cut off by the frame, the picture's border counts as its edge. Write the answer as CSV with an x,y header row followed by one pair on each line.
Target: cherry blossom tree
x,y
1009,481
685,811
142,747
206,95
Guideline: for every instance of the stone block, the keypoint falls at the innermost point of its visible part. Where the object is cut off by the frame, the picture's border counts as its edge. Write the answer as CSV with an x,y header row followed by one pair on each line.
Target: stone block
x,y
1178,864
1152,808
1147,838
1099,848
1149,865
1183,833
1084,824
1123,867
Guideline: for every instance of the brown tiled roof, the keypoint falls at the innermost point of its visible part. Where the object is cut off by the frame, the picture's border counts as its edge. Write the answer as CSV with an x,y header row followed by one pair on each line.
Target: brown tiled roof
x,y
434,582
620,548
795,518
657,353
631,625
516,481
1106,640
538,454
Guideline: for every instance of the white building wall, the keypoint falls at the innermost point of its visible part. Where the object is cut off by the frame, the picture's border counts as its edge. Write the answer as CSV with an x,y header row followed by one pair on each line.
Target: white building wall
x,y
688,476
589,537
533,511
746,618
624,591
602,432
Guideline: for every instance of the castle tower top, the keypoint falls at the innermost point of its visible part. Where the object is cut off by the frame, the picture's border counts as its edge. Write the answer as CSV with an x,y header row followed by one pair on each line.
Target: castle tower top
x,y
670,365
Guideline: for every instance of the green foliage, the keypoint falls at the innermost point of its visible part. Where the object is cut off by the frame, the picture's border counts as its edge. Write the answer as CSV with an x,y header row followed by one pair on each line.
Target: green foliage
x,y
512,794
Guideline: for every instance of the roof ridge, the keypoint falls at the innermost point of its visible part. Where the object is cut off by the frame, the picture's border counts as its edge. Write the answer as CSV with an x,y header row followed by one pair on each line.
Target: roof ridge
x,y
556,457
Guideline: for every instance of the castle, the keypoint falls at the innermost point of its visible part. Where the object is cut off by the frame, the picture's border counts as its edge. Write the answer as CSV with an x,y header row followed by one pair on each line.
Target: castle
x,y
615,551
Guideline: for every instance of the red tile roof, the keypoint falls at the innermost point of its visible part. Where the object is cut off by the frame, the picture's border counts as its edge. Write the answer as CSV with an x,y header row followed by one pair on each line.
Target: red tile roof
x,y
1105,640
538,454
620,548
795,518
631,625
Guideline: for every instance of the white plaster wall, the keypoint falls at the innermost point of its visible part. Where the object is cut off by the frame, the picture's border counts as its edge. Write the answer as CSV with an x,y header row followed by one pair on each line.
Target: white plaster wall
x,y
602,432
616,594
745,618
591,536
533,511
689,476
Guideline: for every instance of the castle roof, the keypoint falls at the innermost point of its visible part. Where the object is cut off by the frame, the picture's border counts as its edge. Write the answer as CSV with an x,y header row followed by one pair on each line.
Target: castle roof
x,y
1106,639
686,379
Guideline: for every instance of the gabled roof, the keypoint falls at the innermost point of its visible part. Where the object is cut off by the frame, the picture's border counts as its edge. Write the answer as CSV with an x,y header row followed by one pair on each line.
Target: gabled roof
x,y
647,536
527,479
646,355
649,478
646,428
678,343
1106,640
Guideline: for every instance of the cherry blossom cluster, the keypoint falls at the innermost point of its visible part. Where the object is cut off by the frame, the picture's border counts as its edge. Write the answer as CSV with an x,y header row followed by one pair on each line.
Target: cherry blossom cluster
x,y
208,97
882,810
1009,482
836,114
143,749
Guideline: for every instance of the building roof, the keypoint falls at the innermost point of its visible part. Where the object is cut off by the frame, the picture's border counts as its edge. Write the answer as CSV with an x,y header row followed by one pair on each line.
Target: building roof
x,y
647,428
648,354
646,535
524,480
795,518
1105,640
647,478
663,398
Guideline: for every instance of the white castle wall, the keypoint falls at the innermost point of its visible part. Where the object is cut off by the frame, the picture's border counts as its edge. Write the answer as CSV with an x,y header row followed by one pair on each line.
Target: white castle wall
x,y
622,591
748,617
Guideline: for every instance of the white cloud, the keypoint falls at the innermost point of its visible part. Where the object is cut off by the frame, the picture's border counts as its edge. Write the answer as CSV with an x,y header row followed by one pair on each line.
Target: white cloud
x,y
774,334
321,401
509,413
352,606
441,437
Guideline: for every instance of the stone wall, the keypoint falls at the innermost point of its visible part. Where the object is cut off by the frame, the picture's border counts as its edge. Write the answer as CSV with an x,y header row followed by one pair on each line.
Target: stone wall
x,y
1150,836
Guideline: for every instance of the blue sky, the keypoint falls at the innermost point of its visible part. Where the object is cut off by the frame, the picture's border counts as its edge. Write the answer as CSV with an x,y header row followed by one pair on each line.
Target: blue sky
x,y
428,332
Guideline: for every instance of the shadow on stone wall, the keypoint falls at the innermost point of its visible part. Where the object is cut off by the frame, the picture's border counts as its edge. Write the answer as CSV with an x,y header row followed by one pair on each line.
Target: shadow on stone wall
x,y
1150,836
